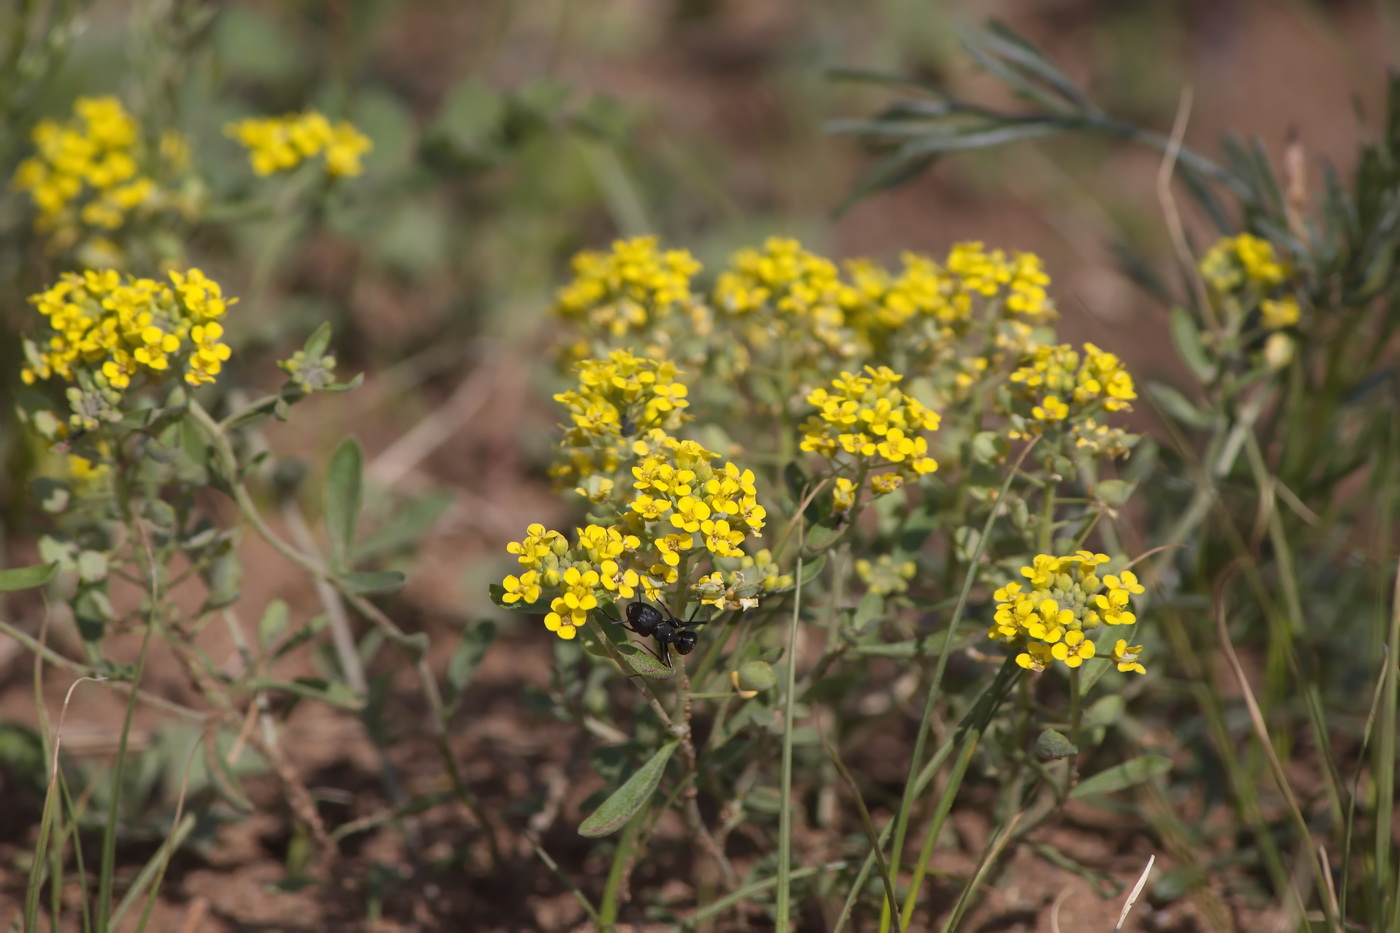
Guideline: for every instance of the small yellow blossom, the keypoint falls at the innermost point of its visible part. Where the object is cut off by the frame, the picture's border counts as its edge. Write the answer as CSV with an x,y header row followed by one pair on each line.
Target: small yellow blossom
x,y
280,144
1127,658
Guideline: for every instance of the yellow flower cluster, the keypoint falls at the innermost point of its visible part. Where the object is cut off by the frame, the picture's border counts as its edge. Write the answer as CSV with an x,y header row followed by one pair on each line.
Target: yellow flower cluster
x,y
799,309
739,589
885,575
280,144
787,281
623,291
672,503
103,331
1066,598
88,172
618,399
1244,271
870,419
1235,262
1057,390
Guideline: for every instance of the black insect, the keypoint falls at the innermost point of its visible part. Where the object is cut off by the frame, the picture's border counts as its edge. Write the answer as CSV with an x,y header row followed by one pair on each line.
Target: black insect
x,y
669,631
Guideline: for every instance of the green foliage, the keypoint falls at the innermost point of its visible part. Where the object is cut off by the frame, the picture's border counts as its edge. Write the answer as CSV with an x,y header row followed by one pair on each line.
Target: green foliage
x,y
1289,410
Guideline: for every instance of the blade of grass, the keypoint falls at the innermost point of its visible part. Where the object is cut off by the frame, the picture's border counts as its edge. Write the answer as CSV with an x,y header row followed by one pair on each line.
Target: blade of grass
x,y
1261,730
989,857
46,819
784,894
935,827
868,825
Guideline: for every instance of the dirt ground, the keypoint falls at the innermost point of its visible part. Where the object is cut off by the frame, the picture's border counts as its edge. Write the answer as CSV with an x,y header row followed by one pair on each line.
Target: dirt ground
x,y
1259,68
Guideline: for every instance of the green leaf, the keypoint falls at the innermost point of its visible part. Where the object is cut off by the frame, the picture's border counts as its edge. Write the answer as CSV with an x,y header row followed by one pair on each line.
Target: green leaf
x,y
331,692
313,627
1052,746
252,46
344,492
1178,406
926,646
406,527
630,798
475,641
1113,492
273,623
1121,777
470,124
225,580
1186,334
26,578
757,675
92,566
870,609
372,583
319,340
644,662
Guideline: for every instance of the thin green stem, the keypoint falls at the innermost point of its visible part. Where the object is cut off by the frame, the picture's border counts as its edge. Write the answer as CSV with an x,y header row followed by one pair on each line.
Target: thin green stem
x,y
784,894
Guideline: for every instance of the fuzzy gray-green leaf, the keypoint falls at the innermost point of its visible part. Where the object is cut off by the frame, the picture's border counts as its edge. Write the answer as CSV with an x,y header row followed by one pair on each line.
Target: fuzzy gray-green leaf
x,y
630,798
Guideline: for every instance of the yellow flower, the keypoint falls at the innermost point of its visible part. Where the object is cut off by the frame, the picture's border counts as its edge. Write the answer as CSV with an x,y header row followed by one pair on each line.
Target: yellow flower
x,y
1127,658
1074,650
843,495
569,611
524,588
1281,313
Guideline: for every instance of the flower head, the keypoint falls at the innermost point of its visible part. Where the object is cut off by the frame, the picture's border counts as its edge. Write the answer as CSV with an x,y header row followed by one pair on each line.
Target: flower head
x,y
280,144
1066,599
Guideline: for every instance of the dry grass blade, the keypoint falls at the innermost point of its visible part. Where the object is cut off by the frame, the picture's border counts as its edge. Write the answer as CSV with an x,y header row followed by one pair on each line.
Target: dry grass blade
x,y
1133,894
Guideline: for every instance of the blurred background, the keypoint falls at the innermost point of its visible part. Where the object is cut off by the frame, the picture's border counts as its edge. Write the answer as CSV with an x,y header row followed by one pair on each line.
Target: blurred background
x,y
509,134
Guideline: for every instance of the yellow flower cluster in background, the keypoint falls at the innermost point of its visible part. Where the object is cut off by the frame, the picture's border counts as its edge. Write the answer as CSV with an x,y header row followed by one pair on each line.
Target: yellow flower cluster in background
x,y
784,300
877,426
617,399
624,291
1065,599
89,173
1057,389
1244,272
104,330
280,144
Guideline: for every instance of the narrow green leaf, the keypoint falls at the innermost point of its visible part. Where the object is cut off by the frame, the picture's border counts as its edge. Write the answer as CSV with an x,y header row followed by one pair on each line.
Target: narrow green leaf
x,y
26,578
373,582
1186,334
477,638
1122,776
631,797
330,692
1178,406
319,340
406,527
344,493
